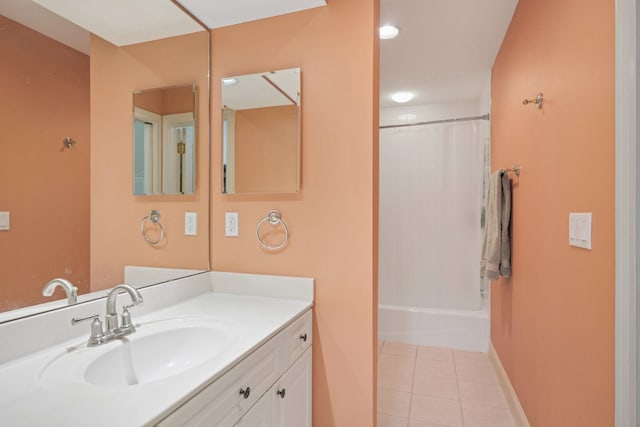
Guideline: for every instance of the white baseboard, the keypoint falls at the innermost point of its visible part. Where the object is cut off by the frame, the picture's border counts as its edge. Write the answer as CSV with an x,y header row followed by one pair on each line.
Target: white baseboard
x,y
514,404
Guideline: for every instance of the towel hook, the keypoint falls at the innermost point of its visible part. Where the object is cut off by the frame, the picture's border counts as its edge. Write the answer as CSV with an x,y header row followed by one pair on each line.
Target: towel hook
x,y
538,101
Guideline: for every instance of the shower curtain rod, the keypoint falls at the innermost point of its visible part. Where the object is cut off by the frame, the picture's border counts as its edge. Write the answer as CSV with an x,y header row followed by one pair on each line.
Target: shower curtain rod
x,y
433,122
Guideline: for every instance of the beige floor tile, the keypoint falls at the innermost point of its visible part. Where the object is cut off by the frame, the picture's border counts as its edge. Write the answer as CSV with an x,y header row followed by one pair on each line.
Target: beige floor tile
x,y
436,368
395,380
394,403
399,349
398,363
389,421
434,410
471,358
476,374
486,416
435,353
483,394
428,385
416,423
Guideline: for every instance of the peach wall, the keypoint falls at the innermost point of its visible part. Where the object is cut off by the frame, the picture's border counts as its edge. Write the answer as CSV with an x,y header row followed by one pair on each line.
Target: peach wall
x,y
333,217
115,213
166,100
44,87
266,150
553,322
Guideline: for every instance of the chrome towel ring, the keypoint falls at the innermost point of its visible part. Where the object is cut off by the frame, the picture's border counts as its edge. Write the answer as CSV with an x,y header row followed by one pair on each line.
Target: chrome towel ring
x,y
154,217
274,218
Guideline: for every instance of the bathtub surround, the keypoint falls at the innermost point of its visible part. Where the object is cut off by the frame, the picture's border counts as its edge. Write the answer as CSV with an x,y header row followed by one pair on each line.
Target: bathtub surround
x,y
552,323
456,329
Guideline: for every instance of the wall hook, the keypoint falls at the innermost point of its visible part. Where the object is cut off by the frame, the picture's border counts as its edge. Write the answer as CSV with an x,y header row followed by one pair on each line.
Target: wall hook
x,y
538,101
68,142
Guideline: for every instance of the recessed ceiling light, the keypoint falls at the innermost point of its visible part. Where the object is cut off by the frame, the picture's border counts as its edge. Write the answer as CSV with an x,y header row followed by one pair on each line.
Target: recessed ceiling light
x,y
388,32
229,81
402,97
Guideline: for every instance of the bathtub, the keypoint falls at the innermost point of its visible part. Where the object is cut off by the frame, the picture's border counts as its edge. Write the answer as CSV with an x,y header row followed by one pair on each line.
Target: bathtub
x,y
458,329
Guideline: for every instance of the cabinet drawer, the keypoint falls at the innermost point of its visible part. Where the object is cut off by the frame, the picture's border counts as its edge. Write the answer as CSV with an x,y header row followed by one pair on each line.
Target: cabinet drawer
x,y
299,336
221,403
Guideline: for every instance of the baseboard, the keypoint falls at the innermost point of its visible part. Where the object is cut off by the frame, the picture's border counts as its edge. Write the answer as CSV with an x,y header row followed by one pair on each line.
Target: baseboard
x,y
516,408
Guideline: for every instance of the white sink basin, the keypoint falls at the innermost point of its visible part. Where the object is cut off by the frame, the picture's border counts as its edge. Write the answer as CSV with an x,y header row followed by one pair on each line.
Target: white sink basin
x,y
154,352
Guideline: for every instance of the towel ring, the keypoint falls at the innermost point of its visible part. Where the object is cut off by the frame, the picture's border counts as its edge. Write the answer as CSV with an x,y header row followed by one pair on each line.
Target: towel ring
x,y
154,217
274,218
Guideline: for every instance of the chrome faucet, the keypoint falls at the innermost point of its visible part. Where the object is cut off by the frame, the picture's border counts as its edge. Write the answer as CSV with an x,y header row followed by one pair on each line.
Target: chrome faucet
x,y
112,329
71,291
111,319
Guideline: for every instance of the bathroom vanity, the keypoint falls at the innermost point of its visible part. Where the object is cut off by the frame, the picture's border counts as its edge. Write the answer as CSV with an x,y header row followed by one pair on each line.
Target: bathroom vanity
x,y
214,349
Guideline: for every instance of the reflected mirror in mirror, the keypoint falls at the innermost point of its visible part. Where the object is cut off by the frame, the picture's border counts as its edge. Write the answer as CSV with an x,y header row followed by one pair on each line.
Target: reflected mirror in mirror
x,y
261,132
164,142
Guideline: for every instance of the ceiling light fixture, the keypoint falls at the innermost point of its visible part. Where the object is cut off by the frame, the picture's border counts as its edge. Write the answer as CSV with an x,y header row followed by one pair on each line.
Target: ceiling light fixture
x,y
229,81
402,97
388,32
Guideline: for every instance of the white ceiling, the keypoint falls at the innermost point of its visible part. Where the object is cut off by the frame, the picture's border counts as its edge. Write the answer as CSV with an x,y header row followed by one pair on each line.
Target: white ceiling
x,y
124,22
218,13
253,91
445,49
46,22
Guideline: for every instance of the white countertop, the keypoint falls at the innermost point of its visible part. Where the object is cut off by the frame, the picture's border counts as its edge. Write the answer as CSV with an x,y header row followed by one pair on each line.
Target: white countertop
x,y
26,400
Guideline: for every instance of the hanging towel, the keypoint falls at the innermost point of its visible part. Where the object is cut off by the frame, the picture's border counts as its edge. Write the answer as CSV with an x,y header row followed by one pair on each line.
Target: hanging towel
x,y
496,248
505,234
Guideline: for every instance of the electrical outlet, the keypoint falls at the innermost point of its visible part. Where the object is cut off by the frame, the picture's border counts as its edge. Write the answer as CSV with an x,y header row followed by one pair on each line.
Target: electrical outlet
x,y
231,224
190,223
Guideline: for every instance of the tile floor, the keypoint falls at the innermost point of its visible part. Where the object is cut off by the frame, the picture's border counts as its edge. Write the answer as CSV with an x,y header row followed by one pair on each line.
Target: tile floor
x,y
436,387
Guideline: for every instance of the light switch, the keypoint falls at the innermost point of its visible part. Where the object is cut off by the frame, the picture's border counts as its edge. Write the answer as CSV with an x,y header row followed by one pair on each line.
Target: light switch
x,y
580,230
4,221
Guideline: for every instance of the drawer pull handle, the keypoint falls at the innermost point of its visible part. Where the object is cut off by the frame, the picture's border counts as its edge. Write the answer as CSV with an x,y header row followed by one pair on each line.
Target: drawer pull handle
x,y
245,392
281,393
303,337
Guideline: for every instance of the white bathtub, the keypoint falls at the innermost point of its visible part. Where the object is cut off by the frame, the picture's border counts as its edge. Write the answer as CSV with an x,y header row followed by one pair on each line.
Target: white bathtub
x,y
458,329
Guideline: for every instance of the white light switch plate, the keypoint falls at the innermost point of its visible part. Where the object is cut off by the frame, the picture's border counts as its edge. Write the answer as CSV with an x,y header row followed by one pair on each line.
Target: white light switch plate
x,y
4,221
580,230
231,224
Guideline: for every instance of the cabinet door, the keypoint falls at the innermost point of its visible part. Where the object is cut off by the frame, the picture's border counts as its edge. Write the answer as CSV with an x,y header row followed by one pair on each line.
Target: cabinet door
x,y
293,394
263,413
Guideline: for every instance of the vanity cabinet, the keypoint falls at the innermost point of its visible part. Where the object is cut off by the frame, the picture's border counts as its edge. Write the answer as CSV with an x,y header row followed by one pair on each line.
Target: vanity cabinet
x,y
293,407
288,402
247,395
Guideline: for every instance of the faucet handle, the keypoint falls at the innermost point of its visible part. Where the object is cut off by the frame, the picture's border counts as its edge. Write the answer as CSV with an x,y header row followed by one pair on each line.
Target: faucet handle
x,y
126,326
97,333
75,321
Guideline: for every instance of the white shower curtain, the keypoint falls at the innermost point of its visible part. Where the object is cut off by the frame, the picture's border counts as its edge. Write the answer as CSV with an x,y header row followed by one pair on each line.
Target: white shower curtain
x,y
430,207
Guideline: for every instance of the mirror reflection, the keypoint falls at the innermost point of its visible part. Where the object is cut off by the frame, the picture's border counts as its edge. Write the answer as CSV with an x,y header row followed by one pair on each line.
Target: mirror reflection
x,y
66,208
164,140
261,132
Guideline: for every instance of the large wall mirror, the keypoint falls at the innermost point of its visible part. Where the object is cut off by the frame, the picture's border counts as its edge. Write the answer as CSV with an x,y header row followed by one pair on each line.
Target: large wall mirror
x,y
65,175
261,132
164,140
